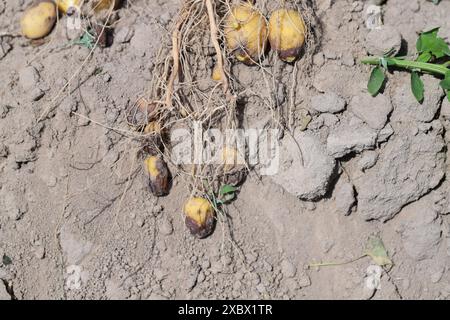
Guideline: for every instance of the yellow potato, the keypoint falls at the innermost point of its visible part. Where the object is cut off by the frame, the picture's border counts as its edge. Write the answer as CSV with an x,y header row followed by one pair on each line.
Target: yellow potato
x,y
199,217
68,6
99,5
246,33
287,33
38,21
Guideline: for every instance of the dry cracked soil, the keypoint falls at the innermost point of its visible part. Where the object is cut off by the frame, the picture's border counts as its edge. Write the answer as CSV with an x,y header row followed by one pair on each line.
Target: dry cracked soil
x,y
77,220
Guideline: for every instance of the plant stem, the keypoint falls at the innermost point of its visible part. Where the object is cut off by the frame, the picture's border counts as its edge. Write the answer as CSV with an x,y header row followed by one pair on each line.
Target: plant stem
x,y
331,264
409,65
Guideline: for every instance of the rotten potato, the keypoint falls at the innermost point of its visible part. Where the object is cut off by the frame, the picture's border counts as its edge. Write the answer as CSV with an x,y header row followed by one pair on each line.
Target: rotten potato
x,y
199,217
287,33
232,168
38,21
141,113
246,33
159,175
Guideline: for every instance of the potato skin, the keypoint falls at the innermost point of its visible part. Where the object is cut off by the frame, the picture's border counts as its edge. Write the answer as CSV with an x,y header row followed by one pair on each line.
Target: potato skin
x,y
246,33
287,32
159,176
199,217
38,21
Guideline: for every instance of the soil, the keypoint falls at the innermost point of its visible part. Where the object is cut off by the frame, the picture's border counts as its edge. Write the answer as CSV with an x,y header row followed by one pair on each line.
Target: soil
x,y
77,219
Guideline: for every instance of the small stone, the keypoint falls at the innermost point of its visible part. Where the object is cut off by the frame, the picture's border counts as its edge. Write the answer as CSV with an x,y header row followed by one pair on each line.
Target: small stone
x,y
157,209
287,269
28,78
36,94
106,77
166,227
124,35
328,102
344,196
39,252
304,281
140,222
319,59
381,40
348,59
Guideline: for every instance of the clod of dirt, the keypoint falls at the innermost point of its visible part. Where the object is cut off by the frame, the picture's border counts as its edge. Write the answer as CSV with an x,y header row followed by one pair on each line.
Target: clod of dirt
x,y
406,107
410,165
372,110
124,35
328,102
166,227
368,160
385,133
421,230
287,269
305,167
13,203
344,195
382,40
28,78
352,135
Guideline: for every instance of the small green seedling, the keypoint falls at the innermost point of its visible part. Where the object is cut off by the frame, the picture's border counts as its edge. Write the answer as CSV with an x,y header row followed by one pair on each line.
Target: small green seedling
x,y
433,55
375,249
87,40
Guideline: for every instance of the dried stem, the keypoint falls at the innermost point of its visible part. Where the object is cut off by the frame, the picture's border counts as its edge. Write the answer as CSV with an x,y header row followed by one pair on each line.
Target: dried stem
x,y
214,35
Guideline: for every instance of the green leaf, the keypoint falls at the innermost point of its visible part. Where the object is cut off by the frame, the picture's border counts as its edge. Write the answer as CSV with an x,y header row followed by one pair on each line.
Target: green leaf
x,y
376,81
227,189
445,84
424,57
430,42
448,95
376,250
417,86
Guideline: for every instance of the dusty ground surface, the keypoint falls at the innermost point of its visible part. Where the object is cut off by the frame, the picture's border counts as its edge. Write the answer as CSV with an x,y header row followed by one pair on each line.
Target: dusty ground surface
x,y
77,220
